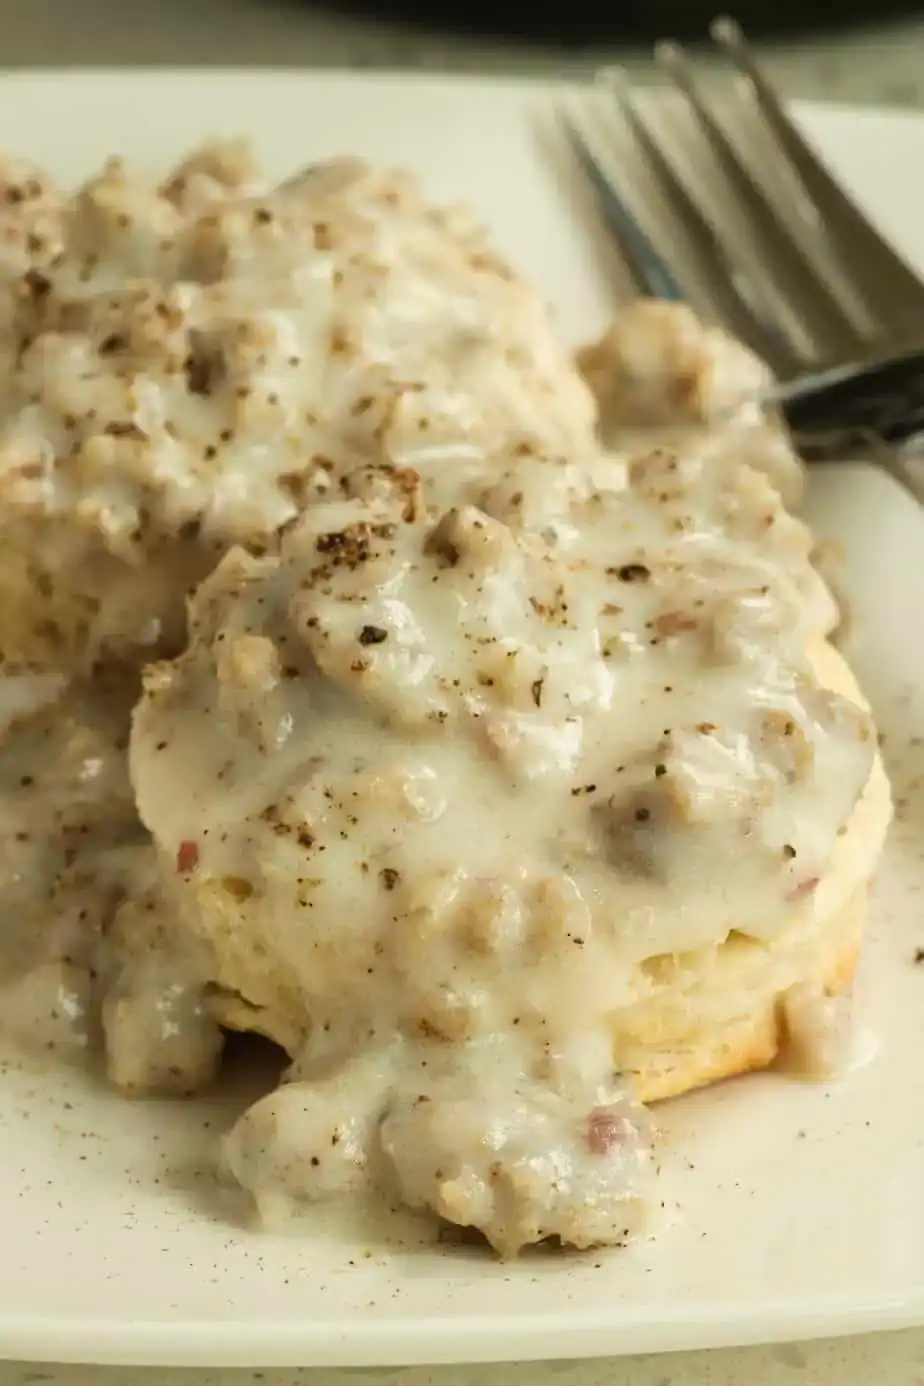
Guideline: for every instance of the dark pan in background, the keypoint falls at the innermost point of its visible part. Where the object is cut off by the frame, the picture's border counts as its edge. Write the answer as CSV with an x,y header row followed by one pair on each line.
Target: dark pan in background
x,y
581,22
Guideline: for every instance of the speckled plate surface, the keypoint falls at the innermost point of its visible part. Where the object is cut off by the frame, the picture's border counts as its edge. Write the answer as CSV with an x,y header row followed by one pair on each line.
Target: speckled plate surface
x,y
802,1207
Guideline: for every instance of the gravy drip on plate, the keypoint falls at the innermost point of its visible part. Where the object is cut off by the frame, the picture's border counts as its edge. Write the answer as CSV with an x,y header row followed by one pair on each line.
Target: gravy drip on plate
x,y
69,833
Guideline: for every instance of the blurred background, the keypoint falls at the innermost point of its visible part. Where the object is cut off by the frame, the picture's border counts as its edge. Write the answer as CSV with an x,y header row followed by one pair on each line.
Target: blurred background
x,y
584,21
853,50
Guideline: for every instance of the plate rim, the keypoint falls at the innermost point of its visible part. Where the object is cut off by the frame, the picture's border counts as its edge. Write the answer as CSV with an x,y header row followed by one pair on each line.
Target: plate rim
x,y
433,1340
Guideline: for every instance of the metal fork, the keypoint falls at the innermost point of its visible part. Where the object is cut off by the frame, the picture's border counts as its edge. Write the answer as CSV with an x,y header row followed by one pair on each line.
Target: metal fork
x,y
850,363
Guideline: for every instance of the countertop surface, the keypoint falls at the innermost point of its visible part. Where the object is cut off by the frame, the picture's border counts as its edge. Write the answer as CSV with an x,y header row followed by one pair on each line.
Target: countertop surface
x,y
894,1359
880,64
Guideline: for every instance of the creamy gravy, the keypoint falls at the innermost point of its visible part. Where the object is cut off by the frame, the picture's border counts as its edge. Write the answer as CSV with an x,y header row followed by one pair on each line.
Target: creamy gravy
x,y
69,833
482,721
190,365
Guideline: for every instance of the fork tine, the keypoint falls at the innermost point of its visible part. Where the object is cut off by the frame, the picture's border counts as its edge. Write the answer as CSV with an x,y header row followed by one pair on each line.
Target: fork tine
x,y
745,301
874,265
839,316
652,275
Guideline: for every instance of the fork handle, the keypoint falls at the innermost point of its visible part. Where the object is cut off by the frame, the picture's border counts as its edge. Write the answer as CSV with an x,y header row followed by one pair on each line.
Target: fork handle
x,y
866,409
883,400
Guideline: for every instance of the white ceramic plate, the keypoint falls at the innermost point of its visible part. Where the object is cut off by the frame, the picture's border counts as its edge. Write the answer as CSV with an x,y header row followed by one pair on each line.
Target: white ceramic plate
x,y
802,1206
